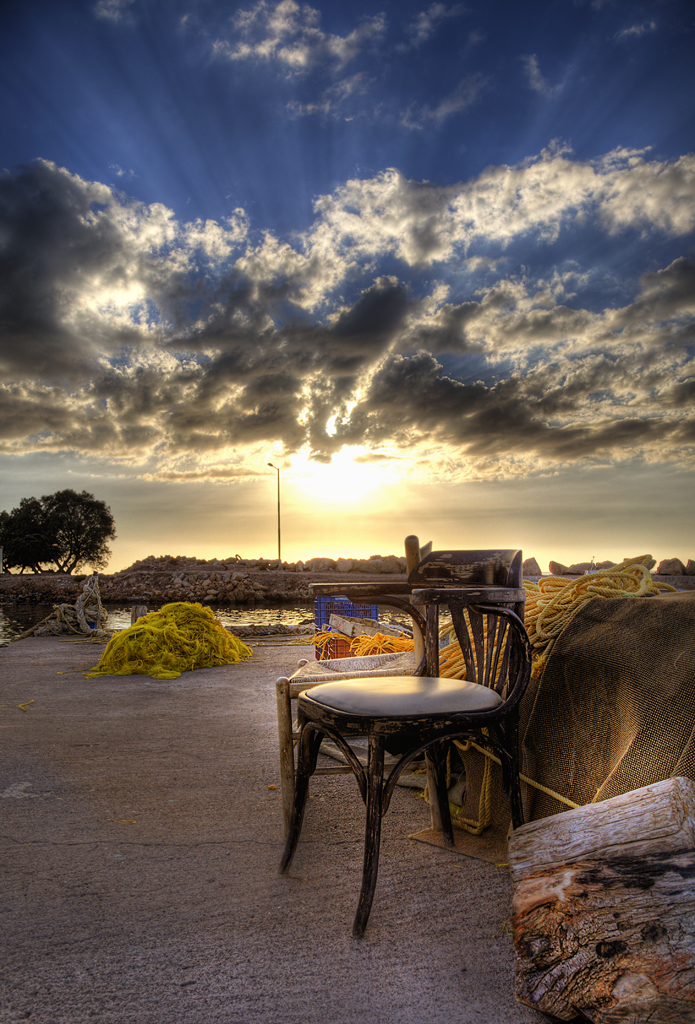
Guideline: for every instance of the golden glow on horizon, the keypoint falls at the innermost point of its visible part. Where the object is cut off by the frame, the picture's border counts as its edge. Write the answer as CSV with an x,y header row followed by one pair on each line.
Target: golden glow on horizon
x,y
343,479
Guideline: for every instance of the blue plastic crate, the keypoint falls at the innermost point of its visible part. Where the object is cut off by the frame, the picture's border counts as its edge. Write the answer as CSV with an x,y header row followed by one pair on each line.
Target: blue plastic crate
x,y
324,607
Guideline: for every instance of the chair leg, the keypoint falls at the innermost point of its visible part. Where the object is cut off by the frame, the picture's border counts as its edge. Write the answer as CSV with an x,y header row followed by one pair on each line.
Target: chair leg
x,y
435,760
516,802
284,705
308,745
517,806
372,839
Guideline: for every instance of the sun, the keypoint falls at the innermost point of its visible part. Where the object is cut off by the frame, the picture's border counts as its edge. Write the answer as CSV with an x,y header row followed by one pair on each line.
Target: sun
x,y
343,479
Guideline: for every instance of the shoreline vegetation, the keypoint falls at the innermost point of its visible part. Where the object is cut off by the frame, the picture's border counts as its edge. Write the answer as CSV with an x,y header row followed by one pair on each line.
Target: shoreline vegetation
x,y
236,581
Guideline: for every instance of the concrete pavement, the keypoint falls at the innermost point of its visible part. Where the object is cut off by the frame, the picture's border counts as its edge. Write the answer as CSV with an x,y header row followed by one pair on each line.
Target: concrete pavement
x,y
140,844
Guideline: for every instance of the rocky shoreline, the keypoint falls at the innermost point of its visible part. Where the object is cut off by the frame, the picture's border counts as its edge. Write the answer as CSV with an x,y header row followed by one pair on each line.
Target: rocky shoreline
x,y
159,586
233,582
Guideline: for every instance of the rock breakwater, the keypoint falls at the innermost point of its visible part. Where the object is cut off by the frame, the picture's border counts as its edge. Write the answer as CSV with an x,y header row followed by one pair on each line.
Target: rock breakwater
x,y
235,581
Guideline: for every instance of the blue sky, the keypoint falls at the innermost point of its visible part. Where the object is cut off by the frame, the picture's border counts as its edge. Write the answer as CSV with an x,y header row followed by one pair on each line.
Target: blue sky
x,y
433,260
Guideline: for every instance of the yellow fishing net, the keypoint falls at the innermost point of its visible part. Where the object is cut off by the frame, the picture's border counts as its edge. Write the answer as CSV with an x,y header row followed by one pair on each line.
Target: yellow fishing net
x,y
178,638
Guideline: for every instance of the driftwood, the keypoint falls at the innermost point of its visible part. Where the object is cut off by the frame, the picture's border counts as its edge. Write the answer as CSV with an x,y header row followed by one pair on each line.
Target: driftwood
x,y
137,612
349,626
604,909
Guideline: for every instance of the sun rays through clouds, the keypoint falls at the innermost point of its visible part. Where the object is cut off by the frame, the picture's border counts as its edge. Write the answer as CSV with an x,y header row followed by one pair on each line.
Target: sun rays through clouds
x,y
373,246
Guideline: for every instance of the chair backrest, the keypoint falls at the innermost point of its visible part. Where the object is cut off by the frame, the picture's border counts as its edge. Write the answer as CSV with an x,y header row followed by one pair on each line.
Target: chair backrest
x,y
500,568
495,647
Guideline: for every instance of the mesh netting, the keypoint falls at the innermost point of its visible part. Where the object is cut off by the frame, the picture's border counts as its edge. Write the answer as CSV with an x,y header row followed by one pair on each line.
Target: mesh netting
x,y
614,709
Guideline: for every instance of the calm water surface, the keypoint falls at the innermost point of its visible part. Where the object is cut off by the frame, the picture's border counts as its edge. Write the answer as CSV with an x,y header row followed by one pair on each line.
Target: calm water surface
x,y
16,618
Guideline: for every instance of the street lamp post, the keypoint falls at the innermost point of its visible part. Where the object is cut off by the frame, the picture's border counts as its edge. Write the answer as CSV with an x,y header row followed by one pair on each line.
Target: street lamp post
x,y
278,473
279,563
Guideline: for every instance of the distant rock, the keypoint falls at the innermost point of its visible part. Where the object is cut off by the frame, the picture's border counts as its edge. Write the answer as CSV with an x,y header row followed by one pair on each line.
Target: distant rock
x,y
362,565
690,568
531,567
606,565
320,564
558,569
671,567
579,568
390,564
344,565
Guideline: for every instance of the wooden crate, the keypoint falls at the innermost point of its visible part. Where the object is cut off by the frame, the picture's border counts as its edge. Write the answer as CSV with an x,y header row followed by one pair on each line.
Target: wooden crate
x,y
337,648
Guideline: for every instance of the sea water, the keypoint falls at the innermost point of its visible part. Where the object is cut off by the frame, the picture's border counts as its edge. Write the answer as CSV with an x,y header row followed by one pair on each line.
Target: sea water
x,y
16,618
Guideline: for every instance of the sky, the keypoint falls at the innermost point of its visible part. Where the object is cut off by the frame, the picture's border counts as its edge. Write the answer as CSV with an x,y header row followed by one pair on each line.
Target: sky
x,y
435,262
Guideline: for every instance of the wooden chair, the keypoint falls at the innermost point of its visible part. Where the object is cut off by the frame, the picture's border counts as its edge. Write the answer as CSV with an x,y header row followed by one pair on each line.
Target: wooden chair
x,y
308,674
439,568
411,715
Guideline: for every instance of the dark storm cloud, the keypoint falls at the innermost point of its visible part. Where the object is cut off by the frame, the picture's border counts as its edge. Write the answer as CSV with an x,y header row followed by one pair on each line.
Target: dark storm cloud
x,y
42,218
667,293
447,332
339,351
681,395
125,331
63,243
30,411
409,398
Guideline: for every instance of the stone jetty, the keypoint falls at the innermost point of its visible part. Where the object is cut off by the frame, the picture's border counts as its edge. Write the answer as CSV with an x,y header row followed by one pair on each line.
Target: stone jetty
x,y
230,582
237,581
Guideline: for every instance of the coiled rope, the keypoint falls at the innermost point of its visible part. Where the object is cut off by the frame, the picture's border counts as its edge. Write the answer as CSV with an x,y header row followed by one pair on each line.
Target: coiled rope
x,y
362,646
554,601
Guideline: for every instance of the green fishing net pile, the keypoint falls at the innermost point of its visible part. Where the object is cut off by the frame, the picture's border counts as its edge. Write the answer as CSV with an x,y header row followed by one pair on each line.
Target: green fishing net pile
x,y
177,638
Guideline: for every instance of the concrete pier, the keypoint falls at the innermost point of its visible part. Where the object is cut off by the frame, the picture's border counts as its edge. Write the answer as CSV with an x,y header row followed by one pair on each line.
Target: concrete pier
x,y
140,842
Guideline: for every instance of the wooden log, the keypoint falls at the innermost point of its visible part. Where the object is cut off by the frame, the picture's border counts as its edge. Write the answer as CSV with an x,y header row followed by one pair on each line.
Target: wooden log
x,y
412,552
603,912
630,824
349,626
361,627
137,612
286,740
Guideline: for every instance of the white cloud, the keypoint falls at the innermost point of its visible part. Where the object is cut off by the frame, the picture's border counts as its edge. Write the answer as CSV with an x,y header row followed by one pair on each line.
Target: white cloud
x,y
427,22
218,241
112,10
423,223
135,337
332,98
464,95
635,31
290,35
536,80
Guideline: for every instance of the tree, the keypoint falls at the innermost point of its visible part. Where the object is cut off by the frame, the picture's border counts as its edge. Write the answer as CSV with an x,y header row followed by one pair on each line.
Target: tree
x,y
25,537
65,529
80,525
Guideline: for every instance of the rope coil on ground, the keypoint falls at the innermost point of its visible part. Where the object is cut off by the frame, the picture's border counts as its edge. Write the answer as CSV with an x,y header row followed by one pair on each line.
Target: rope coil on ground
x,y
362,646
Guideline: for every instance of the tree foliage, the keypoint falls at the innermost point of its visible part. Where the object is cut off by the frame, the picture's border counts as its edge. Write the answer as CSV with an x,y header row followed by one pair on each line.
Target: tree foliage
x,y
66,530
25,540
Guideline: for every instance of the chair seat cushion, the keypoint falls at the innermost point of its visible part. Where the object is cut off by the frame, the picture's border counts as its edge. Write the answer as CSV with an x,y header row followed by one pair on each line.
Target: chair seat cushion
x,y
404,696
